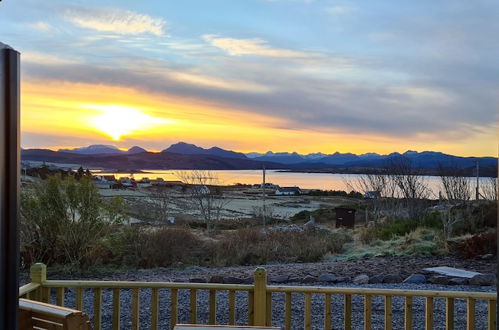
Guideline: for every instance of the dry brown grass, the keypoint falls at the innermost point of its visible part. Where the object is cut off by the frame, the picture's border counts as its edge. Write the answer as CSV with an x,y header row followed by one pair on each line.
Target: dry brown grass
x,y
148,248
254,246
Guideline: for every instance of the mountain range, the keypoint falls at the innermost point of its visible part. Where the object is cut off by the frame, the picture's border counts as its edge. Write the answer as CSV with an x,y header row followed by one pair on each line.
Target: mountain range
x,y
189,156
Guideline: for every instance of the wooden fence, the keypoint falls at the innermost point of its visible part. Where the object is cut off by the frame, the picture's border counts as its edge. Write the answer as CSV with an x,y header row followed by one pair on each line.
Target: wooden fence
x,y
259,301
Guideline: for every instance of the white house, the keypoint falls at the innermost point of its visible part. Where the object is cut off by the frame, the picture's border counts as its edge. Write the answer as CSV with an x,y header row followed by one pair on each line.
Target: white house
x,y
200,190
372,195
287,191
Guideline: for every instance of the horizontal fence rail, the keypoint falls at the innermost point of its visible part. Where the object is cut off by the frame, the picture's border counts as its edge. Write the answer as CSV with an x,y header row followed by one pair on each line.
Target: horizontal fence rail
x,y
162,304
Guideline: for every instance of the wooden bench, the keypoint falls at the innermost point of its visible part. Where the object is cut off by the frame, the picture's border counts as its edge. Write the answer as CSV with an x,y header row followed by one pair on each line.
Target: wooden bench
x,y
220,327
38,315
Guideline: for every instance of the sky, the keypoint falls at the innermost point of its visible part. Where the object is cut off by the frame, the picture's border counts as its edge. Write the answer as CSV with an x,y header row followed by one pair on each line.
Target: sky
x,y
258,75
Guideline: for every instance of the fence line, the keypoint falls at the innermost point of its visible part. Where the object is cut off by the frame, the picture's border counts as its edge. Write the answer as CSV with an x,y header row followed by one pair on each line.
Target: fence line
x,y
259,301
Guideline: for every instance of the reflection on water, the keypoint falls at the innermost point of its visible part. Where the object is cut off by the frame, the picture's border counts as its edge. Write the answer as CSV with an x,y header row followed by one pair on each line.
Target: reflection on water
x,y
324,181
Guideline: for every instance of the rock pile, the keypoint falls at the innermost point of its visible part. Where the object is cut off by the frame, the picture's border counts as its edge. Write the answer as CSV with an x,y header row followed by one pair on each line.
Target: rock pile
x,y
427,278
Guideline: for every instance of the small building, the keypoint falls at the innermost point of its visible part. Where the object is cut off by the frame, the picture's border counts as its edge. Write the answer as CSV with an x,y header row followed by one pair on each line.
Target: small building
x,y
144,183
288,191
345,217
268,185
128,183
200,190
173,183
158,182
372,195
104,182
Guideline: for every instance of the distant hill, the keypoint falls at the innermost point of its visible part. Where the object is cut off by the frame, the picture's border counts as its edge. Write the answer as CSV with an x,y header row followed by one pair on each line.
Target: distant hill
x,y
281,157
425,159
189,156
145,160
136,150
191,149
95,149
295,158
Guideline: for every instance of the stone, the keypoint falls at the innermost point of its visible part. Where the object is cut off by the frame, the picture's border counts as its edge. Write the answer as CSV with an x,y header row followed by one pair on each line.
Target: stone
x,y
483,280
233,280
328,278
197,280
488,256
361,279
279,279
415,279
216,279
343,279
376,279
196,269
458,281
309,279
452,272
392,278
247,280
181,280
294,280
442,280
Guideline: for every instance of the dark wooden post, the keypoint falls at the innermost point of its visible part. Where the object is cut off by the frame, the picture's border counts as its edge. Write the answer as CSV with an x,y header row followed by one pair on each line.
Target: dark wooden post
x,y
9,186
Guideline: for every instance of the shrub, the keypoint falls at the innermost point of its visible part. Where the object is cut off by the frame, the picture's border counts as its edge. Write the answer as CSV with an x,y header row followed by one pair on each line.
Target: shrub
x,y
423,242
396,228
368,235
254,246
153,247
478,245
63,220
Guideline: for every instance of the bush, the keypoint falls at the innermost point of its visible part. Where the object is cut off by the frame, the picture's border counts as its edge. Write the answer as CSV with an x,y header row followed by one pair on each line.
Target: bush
x,y
368,235
399,227
396,228
62,221
254,246
341,193
478,245
423,242
320,215
152,247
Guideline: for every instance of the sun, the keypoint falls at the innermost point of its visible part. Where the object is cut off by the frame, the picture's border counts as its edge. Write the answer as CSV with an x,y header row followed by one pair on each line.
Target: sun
x,y
120,120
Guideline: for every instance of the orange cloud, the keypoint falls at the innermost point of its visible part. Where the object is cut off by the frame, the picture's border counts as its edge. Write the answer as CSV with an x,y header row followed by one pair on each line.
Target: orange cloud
x,y
102,113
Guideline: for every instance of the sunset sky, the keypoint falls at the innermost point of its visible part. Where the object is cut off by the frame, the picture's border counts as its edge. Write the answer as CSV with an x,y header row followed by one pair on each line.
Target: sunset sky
x,y
259,75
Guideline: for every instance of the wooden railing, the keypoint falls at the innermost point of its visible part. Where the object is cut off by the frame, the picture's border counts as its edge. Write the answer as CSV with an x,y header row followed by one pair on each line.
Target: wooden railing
x,y
38,315
259,299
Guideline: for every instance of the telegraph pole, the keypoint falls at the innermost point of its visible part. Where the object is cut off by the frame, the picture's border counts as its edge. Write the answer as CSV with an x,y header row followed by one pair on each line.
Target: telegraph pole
x,y
264,210
477,180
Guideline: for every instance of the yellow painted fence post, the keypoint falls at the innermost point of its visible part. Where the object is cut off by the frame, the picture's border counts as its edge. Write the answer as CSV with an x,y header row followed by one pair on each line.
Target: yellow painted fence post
x,y
38,274
260,296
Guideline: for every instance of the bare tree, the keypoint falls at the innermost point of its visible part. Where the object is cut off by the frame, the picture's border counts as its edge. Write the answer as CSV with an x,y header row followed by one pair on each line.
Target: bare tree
x,y
380,190
411,186
365,183
161,203
489,189
455,184
205,195
409,180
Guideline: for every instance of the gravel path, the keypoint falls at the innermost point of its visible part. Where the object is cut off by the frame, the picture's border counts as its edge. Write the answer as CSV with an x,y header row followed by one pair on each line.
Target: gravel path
x,y
297,309
402,266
